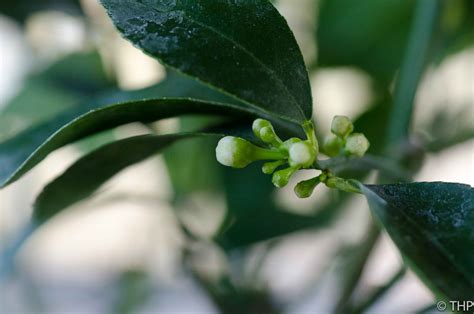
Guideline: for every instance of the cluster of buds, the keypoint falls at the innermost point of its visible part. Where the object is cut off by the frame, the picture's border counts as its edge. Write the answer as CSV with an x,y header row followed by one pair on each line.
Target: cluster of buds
x,y
342,141
294,153
284,158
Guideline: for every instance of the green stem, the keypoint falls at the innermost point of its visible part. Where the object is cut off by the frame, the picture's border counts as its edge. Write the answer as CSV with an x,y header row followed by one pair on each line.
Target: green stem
x,y
308,127
268,154
412,68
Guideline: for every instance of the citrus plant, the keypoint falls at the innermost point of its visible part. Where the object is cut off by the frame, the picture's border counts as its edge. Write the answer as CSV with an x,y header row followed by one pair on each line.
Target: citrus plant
x,y
239,61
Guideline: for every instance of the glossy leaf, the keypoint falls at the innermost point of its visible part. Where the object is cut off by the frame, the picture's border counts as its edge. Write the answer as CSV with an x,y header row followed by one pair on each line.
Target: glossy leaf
x,y
244,48
19,154
433,226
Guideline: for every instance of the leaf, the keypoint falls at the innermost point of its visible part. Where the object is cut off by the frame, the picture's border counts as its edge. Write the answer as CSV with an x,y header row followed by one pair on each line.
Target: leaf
x,y
21,153
433,226
253,216
87,174
244,48
350,34
54,90
21,9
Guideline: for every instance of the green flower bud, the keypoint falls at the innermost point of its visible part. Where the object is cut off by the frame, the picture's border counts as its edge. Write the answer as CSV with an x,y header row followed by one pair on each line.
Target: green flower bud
x,y
235,152
259,124
332,145
356,145
263,130
304,189
341,126
270,167
301,154
281,177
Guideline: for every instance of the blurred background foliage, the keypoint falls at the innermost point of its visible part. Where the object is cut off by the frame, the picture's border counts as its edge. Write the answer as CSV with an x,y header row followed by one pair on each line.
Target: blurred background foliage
x,y
216,239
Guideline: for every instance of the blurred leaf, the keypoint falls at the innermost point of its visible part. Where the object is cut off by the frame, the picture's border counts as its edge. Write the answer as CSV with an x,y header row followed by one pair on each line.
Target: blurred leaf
x,y
370,35
232,299
443,132
22,152
87,174
432,225
21,9
64,84
243,48
456,29
253,215
373,124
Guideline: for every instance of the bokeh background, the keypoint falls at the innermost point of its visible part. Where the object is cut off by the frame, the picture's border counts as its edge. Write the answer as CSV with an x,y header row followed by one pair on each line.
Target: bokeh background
x,y
181,234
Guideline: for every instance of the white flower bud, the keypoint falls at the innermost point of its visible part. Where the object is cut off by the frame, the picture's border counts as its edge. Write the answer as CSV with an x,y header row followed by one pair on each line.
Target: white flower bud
x,y
234,152
301,154
341,126
357,144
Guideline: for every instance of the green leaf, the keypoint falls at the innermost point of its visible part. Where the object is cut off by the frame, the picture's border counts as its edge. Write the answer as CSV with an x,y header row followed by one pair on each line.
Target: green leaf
x,y
87,174
54,90
21,9
21,153
350,34
244,48
433,226
254,216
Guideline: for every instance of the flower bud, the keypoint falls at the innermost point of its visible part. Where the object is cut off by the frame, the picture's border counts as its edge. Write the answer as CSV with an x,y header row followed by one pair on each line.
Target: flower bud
x,y
281,177
270,167
263,130
234,152
301,154
259,124
332,145
304,189
341,126
357,144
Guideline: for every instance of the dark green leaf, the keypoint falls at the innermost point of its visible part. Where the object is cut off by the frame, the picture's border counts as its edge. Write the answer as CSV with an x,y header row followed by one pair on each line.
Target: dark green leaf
x,y
253,215
86,175
244,48
19,154
370,35
21,9
433,226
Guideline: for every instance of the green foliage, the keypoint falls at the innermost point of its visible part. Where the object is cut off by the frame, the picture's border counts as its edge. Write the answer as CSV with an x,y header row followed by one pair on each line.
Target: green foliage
x,y
254,54
20,10
432,225
370,35
21,153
